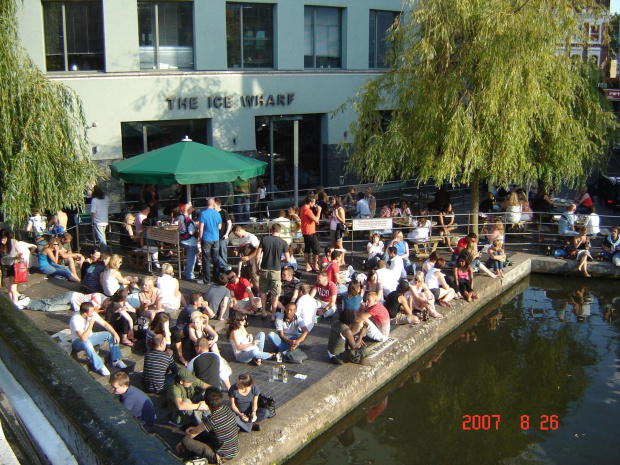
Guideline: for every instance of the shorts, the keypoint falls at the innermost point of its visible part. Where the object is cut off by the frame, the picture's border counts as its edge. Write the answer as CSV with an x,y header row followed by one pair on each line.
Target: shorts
x,y
401,319
10,271
270,282
436,293
335,235
311,244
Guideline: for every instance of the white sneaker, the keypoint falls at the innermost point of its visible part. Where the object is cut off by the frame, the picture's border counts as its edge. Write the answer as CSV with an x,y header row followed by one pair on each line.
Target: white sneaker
x,y
119,364
103,371
23,303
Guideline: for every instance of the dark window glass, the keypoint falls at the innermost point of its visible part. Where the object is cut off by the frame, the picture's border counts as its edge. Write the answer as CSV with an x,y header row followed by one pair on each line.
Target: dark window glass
x,y
73,36
379,25
322,37
249,35
166,35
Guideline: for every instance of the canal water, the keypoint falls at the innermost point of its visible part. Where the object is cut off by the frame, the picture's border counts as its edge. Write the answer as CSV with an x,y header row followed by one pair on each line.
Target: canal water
x,y
531,378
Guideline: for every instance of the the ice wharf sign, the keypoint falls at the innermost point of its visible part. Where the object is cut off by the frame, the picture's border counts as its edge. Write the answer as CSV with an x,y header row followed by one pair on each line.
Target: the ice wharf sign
x,y
229,101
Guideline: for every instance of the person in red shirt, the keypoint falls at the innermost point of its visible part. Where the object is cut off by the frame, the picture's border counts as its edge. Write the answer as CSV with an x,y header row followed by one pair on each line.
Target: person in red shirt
x,y
333,272
462,245
241,294
371,310
327,292
310,214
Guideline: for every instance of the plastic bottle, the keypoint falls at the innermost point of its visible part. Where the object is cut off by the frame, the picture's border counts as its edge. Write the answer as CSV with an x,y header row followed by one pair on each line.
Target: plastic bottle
x,y
284,375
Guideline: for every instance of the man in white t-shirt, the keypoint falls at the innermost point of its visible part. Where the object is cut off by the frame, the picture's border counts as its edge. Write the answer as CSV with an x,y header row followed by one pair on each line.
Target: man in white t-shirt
x,y
307,306
83,337
99,206
144,212
388,278
397,264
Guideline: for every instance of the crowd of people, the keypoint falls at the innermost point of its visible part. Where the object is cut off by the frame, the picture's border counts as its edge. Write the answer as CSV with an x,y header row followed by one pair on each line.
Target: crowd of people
x,y
361,305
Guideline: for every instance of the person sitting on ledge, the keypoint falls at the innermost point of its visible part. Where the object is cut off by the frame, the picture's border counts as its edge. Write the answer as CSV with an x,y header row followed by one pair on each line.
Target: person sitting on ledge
x,y
399,306
611,246
185,402
344,345
372,311
134,400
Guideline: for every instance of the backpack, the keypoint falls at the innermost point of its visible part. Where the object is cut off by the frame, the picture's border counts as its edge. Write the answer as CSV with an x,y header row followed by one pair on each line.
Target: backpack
x,y
295,356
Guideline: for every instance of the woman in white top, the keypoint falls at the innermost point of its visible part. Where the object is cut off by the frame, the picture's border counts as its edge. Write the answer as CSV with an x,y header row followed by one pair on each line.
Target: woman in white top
x,y
336,222
593,222
171,297
526,210
199,327
421,296
421,232
513,209
376,251
112,279
436,283
245,347
11,252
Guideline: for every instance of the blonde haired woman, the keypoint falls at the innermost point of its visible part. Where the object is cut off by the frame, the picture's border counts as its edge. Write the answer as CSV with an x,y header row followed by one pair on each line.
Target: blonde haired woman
x,y
171,297
48,262
112,279
199,327
513,209
128,239
150,299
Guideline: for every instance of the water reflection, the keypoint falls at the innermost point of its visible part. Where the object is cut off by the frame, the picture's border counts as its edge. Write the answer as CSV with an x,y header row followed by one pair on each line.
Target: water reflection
x,y
550,353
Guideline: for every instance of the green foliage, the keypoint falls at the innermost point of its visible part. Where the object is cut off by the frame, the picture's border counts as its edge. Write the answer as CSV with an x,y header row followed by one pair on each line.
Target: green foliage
x,y
482,87
44,154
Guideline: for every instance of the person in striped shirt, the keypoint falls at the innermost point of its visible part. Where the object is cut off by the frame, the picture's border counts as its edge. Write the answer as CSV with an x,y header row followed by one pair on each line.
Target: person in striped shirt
x,y
159,367
217,436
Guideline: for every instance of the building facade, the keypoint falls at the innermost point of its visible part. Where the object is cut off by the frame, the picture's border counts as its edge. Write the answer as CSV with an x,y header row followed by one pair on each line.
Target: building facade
x,y
235,75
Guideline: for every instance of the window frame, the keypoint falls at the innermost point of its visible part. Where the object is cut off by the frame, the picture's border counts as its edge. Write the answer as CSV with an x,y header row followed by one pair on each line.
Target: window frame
x,y
314,36
377,39
242,39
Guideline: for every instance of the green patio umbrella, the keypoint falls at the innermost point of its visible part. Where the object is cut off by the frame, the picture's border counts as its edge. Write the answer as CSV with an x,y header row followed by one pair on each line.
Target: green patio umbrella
x,y
186,163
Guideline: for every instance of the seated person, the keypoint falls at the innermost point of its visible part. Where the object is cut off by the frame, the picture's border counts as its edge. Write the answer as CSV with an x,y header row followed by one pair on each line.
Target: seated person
x,y
134,400
306,306
218,298
69,258
436,283
243,299
396,263
399,306
48,262
344,345
129,239
93,257
375,317
206,364
362,209
171,297
185,404
290,330
216,437
327,293
290,288
199,327
488,201
150,299
611,246
159,367
462,245
388,279
566,225
243,398
421,232
333,272
376,251
112,279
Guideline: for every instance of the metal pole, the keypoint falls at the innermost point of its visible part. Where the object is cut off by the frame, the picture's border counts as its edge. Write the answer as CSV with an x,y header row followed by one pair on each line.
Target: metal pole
x,y
188,188
296,160
271,155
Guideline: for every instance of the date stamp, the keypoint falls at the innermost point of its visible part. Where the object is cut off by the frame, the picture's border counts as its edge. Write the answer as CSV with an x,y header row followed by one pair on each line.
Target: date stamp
x,y
492,422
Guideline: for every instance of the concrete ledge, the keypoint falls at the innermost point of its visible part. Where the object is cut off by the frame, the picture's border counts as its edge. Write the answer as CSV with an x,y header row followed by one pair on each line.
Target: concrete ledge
x,y
304,418
94,426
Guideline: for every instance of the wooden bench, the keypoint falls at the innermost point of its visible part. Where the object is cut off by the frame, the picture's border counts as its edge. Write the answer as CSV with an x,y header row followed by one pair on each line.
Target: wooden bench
x,y
424,249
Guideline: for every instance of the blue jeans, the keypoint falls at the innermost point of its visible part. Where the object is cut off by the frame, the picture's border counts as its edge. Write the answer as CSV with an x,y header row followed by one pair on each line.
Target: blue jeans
x,y
247,356
62,303
94,340
277,341
100,233
223,255
57,270
243,211
191,253
210,250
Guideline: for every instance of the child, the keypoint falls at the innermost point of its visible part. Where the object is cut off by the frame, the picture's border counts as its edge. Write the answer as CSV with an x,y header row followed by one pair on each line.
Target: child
x,y
464,278
497,257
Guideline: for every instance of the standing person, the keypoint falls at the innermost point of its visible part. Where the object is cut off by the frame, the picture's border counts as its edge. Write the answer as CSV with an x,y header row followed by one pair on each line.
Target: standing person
x,y
270,250
216,437
209,233
337,222
99,205
83,338
149,197
261,200
242,191
247,249
228,197
134,400
309,221
372,201
224,234
188,238
11,252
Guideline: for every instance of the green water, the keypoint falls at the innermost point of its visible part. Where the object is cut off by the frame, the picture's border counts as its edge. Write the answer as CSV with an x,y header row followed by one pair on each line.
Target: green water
x,y
537,373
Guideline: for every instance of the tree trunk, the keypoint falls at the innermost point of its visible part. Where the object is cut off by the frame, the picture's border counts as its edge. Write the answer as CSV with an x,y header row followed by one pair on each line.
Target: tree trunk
x,y
474,187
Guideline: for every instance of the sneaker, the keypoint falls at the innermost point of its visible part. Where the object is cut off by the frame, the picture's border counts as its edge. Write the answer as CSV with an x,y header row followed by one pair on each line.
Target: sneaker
x,y
119,364
103,371
23,303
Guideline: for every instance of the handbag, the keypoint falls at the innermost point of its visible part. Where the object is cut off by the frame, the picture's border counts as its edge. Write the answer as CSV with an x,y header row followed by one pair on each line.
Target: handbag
x,y
295,356
268,403
21,272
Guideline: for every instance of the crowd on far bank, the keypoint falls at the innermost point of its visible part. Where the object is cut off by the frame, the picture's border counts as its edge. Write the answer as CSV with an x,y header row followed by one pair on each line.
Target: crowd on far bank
x,y
264,280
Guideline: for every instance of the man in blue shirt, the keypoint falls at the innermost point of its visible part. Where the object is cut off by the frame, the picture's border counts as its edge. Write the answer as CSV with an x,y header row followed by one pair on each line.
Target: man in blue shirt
x,y
134,400
209,226
566,225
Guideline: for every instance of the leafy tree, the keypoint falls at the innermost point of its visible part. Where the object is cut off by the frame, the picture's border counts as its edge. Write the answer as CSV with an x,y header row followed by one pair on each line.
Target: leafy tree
x,y
481,90
44,154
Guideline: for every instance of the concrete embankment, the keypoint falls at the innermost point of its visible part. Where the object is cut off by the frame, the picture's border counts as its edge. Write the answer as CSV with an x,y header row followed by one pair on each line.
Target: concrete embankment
x,y
310,414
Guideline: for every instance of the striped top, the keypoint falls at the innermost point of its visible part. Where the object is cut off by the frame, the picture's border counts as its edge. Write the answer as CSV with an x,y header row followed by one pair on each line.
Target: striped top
x,y
223,432
156,365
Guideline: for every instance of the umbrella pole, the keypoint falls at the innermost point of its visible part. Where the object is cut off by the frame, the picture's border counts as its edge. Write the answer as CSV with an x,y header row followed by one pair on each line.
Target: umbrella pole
x,y
188,188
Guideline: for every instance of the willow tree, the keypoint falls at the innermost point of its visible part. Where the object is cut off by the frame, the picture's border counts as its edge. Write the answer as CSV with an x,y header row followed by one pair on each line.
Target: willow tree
x,y
480,90
44,154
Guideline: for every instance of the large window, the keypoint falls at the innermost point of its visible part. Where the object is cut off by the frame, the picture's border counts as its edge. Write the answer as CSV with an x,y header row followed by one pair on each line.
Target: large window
x,y
166,32
73,36
380,23
249,35
322,37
